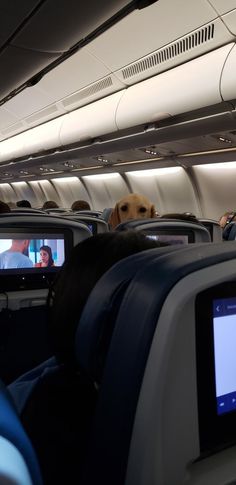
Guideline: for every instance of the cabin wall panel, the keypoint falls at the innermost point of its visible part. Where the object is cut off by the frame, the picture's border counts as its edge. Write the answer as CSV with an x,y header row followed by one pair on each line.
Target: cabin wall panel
x,y
70,189
23,190
169,189
216,184
105,190
44,190
7,193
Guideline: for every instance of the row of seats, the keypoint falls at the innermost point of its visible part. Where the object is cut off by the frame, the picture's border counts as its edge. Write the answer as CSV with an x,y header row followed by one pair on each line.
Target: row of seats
x,y
141,342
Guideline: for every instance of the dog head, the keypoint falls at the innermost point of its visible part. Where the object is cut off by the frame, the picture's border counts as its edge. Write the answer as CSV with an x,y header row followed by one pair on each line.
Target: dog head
x,y
133,206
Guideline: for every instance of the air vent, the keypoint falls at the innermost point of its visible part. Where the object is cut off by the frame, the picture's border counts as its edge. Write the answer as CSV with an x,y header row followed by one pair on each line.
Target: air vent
x,y
12,128
42,114
89,91
187,43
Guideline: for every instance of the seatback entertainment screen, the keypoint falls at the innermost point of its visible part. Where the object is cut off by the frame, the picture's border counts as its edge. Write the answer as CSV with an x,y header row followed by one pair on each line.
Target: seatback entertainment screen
x,y
31,251
224,329
170,238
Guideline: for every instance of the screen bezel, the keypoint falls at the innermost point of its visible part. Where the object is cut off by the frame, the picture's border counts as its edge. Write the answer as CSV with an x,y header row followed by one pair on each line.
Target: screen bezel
x,y
216,431
26,278
172,232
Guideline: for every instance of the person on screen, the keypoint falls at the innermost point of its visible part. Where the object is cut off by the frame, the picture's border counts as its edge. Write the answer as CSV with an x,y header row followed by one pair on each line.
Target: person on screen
x,y
14,257
58,413
46,259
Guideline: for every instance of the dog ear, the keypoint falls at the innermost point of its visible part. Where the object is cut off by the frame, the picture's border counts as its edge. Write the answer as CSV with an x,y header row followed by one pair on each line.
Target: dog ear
x,y
153,211
114,218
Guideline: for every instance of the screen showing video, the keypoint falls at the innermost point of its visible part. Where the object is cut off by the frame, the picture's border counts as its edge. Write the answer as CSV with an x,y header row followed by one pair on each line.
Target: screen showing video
x,y
170,238
25,251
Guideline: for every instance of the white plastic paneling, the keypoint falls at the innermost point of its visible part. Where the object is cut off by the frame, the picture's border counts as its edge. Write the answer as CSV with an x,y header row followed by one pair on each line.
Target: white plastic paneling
x,y
6,118
28,101
24,191
105,190
230,21
7,193
168,188
223,6
73,74
228,79
187,87
144,31
216,184
90,121
43,137
44,190
70,189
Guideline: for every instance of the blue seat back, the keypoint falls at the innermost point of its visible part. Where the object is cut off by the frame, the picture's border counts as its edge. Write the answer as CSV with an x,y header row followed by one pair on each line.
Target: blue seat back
x,y
128,354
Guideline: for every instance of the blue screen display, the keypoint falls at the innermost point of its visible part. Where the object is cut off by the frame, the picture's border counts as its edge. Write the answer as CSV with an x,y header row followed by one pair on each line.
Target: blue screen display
x,y
224,329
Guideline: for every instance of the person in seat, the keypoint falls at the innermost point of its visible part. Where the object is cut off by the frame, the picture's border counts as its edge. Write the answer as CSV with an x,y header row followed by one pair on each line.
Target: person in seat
x,y
59,412
80,205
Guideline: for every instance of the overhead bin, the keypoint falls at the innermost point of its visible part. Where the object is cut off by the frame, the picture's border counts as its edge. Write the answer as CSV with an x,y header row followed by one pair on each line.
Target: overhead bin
x,y
91,121
44,137
228,78
185,88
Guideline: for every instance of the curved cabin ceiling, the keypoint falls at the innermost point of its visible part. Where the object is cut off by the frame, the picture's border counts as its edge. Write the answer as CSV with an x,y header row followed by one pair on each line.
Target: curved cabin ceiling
x,y
36,33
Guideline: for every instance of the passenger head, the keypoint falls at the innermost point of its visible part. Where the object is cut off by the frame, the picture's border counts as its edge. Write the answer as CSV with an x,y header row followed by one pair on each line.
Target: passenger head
x,y
89,260
23,203
80,205
132,206
229,216
50,204
4,207
46,256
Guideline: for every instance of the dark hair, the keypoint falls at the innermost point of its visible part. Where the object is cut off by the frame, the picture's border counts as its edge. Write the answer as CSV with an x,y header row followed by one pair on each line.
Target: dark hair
x,y
80,205
4,207
49,251
89,260
23,203
50,204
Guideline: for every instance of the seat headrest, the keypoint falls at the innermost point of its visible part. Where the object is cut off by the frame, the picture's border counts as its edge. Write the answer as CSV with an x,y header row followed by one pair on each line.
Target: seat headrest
x,y
98,318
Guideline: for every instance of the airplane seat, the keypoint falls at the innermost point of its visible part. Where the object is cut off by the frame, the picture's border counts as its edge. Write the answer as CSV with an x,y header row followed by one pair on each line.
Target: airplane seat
x,y
229,232
92,341
23,292
26,210
106,213
104,299
146,426
172,231
95,224
18,462
90,213
214,229
95,331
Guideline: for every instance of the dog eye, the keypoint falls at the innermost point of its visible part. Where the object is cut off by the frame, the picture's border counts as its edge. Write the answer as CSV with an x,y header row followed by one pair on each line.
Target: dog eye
x,y
124,208
143,209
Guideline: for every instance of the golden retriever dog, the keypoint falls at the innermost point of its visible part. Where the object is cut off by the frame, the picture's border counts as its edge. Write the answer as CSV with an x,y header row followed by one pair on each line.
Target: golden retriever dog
x,y
132,206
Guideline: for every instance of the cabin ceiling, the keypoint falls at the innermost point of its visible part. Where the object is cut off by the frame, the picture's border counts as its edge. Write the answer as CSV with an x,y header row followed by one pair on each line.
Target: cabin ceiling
x,y
36,33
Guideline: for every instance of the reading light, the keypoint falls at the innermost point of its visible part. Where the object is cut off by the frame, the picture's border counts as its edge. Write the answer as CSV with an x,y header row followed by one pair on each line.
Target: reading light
x,y
225,140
